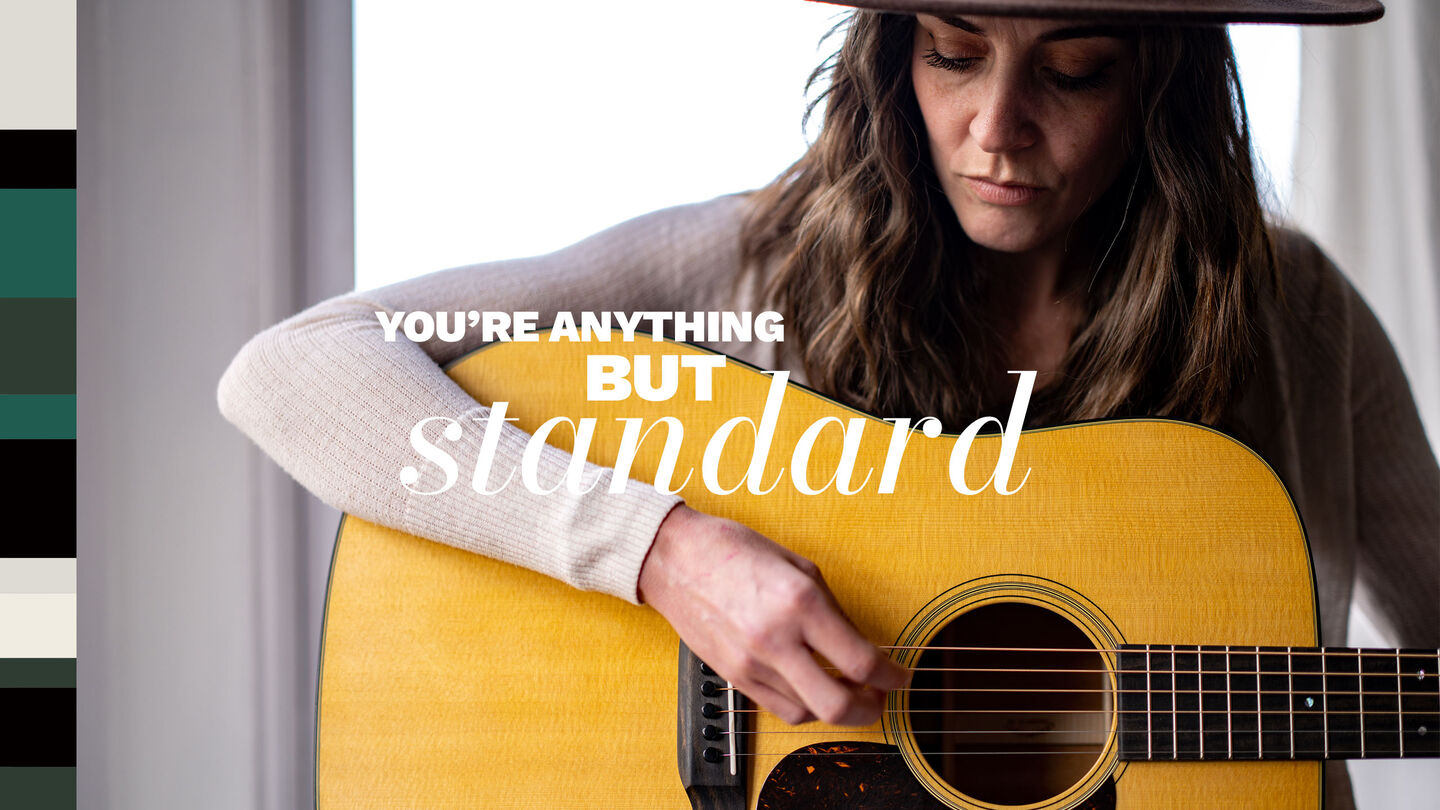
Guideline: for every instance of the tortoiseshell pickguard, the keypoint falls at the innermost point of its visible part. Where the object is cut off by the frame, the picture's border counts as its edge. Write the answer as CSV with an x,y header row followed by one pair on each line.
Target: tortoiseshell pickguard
x,y
862,776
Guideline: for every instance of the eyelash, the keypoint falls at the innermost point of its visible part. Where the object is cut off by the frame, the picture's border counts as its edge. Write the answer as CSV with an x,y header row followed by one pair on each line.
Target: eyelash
x,y
935,59
1063,81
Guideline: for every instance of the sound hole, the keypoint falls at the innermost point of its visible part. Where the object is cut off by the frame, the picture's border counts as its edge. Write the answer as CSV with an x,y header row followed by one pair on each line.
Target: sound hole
x,y
1012,722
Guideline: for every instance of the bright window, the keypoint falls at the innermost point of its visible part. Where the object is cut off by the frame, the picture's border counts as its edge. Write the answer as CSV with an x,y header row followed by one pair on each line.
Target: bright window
x,y
492,130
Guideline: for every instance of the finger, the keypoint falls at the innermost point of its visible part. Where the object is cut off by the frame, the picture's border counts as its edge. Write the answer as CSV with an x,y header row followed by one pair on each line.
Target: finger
x,y
829,633
828,698
771,691
789,710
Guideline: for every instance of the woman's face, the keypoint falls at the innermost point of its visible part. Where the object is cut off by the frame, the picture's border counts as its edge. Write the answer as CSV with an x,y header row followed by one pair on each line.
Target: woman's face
x,y
1026,121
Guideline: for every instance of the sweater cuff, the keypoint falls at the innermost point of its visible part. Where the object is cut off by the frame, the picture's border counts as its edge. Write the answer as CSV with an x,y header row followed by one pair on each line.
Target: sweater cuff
x,y
632,531
595,541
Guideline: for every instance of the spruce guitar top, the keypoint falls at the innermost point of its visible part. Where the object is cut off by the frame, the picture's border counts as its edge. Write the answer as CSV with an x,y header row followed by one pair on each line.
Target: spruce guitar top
x,y
1134,627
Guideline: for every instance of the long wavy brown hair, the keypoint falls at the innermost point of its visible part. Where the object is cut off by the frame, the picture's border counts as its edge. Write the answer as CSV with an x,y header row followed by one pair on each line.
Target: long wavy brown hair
x,y
871,269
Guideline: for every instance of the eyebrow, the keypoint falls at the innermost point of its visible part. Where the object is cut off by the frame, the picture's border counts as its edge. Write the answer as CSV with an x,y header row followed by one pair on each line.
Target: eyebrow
x,y
1057,35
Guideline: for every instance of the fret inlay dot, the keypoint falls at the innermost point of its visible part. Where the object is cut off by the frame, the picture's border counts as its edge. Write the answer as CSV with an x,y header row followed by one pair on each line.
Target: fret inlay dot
x,y
1309,703
1423,730
1420,675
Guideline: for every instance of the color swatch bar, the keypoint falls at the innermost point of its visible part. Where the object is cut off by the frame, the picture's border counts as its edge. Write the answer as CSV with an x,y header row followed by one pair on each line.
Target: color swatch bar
x,y
37,402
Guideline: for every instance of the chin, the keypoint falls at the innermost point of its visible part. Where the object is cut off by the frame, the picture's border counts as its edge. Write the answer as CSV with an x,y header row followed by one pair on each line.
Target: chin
x,y
1003,234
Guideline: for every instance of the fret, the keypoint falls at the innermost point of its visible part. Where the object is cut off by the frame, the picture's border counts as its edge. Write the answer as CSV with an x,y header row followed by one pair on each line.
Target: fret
x,y
1174,706
1420,703
1399,706
1259,718
1307,704
1276,703
1162,705
1215,703
1276,729
1244,703
1325,717
1342,687
1149,716
1132,682
1360,671
1189,742
1229,715
1290,694
1381,719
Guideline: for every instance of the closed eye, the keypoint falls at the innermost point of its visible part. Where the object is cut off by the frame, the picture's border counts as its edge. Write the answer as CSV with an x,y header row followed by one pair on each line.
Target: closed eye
x,y
1090,81
1063,81
935,59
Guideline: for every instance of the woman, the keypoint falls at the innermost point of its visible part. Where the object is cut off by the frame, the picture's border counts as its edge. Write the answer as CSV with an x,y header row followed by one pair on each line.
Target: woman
x,y
1071,194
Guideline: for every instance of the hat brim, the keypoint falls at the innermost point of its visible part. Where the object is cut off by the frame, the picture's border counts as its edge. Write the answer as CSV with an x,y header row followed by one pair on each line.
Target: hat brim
x,y
1303,12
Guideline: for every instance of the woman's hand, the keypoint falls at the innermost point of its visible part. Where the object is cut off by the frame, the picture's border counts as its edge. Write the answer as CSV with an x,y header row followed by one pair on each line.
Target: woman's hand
x,y
754,612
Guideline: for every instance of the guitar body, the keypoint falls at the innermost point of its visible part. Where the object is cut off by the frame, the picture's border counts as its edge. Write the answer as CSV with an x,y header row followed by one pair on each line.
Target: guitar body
x,y
449,680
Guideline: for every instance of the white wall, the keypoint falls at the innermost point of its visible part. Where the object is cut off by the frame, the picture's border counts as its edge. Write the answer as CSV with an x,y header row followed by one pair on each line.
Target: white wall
x,y
490,131
203,217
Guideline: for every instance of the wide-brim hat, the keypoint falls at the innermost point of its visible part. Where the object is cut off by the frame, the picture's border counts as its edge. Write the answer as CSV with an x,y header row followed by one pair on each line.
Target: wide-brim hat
x,y
1315,12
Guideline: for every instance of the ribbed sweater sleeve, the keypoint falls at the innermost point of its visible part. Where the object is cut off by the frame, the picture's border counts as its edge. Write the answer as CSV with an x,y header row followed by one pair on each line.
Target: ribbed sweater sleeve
x,y
333,403
1397,481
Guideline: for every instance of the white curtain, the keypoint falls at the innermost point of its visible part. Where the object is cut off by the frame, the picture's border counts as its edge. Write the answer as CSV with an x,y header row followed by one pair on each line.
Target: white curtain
x,y
214,199
1367,188
1367,174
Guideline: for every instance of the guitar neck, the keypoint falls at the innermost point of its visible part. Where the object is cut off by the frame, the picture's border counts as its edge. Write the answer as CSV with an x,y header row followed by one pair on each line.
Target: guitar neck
x,y
1277,703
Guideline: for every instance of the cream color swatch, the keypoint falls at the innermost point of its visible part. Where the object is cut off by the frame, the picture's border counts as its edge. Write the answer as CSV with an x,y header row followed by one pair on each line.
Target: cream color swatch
x,y
37,64
37,625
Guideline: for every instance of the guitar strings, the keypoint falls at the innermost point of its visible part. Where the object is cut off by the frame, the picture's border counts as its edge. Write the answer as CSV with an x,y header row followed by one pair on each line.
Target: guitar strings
x,y
1282,755
927,753
1154,691
1094,747
1132,712
1422,674
1338,652
1092,732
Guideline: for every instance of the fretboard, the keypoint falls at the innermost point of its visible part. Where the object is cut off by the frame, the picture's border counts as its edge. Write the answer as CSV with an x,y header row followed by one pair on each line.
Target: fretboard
x,y
1189,703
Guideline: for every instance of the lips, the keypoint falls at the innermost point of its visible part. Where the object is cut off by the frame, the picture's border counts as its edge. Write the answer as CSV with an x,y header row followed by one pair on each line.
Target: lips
x,y
1008,194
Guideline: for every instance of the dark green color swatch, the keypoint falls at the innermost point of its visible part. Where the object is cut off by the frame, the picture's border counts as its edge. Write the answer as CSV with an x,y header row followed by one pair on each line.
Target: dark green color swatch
x,y
52,673
38,788
37,345
37,416
37,243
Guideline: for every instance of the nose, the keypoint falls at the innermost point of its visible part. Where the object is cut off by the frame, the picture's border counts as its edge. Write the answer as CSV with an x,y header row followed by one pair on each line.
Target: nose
x,y
1002,121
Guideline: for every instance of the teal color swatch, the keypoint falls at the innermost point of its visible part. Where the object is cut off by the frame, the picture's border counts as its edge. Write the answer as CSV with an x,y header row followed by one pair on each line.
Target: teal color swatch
x,y
37,416
37,243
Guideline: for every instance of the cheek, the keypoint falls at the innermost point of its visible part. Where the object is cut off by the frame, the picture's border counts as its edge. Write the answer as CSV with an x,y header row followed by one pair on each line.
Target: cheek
x,y
1090,144
927,99
942,113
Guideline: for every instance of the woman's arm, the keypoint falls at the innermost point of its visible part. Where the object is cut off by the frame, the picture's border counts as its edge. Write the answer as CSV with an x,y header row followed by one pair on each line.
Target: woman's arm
x,y
1397,482
333,403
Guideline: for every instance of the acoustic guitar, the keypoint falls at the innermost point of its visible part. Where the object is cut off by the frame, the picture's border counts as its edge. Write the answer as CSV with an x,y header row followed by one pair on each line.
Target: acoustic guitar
x,y
1134,628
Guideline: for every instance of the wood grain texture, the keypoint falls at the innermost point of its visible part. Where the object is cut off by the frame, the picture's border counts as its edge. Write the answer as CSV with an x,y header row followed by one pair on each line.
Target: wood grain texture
x,y
449,680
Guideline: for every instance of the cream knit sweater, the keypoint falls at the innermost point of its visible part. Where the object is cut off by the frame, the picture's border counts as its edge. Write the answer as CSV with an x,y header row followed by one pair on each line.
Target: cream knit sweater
x,y
325,396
